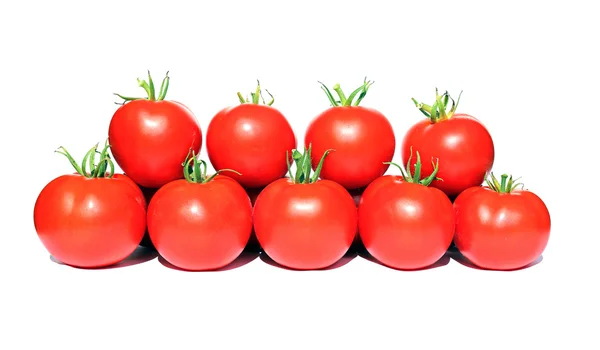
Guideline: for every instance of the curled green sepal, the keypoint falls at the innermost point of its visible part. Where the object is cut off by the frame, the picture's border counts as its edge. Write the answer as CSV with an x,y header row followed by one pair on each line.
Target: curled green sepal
x,y
506,185
148,86
415,177
257,96
438,111
89,161
194,169
303,163
344,101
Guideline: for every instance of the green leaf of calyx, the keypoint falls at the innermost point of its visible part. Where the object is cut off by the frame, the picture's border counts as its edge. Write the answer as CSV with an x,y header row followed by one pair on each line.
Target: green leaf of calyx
x,y
256,96
303,163
439,109
95,170
343,100
415,178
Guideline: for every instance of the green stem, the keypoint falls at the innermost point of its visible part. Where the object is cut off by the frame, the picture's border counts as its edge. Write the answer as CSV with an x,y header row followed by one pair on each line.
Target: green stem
x,y
149,88
344,101
95,170
257,96
195,170
416,177
506,184
438,111
303,163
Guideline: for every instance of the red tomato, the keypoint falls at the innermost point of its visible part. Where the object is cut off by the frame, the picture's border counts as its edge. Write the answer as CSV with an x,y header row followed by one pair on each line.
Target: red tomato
x,y
500,227
151,137
361,138
251,138
305,223
200,223
90,219
403,223
461,143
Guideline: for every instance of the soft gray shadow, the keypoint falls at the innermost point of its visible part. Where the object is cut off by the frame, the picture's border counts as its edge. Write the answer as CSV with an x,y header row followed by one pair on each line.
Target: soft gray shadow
x,y
349,256
461,259
246,257
443,261
140,255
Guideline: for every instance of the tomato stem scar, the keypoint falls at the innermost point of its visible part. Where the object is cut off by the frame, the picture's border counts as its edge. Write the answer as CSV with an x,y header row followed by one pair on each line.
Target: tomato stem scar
x,y
148,86
257,96
506,185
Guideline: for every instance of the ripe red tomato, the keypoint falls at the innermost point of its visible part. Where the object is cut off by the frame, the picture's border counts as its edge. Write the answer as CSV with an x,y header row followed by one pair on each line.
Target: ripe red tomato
x,y
90,219
403,223
200,223
251,138
304,223
501,227
362,140
150,137
461,143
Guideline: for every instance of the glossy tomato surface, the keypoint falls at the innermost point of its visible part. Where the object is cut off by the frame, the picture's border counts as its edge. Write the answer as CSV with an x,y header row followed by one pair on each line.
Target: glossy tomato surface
x,y
200,226
501,231
251,139
90,222
405,225
362,139
305,226
151,139
463,146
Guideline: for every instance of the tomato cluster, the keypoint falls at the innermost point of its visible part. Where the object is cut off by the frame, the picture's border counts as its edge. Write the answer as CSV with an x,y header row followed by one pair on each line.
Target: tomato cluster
x,y
305,208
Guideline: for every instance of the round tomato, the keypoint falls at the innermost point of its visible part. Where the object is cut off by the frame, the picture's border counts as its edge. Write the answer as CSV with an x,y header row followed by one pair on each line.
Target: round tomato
x,y
305,223
403,223
92,218
150,137
200,223
251,138
361,139
461,143
499,226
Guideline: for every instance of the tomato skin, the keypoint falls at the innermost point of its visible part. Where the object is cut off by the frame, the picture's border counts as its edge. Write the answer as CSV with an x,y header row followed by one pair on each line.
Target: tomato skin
x,y
251,139
198,226
501,231
405,225
363,139
90,222
150,139
305,226
462,144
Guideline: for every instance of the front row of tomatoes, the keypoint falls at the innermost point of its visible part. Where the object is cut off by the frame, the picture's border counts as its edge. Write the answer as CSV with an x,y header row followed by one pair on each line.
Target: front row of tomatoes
x,y
302,222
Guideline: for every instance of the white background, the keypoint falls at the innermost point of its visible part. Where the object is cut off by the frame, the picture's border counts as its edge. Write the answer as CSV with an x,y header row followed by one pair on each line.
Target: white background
x,y
528,70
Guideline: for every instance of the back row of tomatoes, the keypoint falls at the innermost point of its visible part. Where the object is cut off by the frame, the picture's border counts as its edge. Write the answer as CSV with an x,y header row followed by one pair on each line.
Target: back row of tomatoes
x,y
306,220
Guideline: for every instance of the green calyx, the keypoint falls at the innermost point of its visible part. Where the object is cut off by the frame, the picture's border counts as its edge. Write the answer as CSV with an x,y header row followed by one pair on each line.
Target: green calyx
x,y
506,185
88,167
256,97
194,170
303,163
148,86
344,101
416,176
439,110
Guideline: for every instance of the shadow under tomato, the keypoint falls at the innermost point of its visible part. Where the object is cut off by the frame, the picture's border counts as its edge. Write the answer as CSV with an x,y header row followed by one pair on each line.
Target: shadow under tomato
x,y
461,259
246,257
443,261
349,256
140,255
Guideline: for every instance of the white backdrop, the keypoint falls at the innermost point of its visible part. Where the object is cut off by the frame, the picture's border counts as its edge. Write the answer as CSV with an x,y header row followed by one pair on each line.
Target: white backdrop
x,y
529,72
